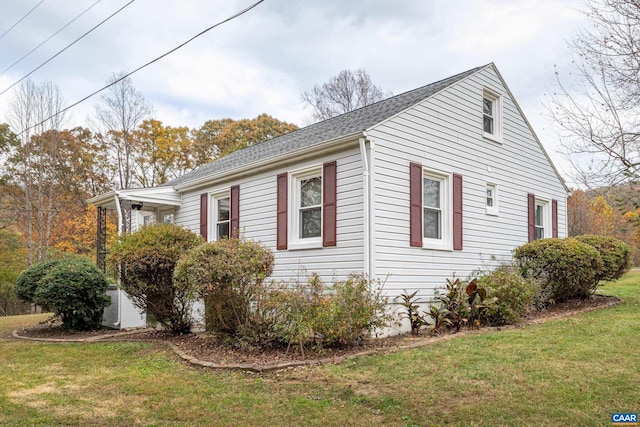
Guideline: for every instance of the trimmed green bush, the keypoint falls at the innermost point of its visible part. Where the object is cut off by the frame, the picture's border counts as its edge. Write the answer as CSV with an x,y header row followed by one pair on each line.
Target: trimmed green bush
x,y
75,289
227,274
566,268
514,295
147,259
27,282
615,254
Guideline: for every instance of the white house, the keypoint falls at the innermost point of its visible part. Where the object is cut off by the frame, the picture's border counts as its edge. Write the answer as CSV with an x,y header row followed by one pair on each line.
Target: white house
x,y
435,182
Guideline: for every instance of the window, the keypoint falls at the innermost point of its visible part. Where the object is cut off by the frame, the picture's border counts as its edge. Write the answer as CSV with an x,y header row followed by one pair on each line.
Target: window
x,y
492,199
147,220
540,221
167,218
436,211
492,115
221,215
306,213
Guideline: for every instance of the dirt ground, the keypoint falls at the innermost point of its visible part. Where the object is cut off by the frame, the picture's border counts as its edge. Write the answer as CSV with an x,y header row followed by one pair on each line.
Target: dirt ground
x,y
208,348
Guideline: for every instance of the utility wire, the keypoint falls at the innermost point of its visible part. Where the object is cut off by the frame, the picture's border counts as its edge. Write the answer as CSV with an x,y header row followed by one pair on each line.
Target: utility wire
x,y
48,38
232,17
67,47
21,19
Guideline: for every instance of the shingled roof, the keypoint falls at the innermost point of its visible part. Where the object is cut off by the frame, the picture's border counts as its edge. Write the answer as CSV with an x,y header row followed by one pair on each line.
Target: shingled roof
x,y
345,124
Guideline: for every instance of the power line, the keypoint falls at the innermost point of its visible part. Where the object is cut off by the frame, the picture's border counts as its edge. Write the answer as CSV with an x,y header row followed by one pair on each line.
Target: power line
x,y
236,15
20,20
68,46
49,38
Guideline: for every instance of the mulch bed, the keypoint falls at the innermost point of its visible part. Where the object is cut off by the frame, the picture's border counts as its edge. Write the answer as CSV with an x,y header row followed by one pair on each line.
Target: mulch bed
x,y
214,352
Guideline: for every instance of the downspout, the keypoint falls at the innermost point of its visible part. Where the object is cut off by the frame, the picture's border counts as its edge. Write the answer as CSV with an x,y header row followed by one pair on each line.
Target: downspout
x,y
365,210
119,322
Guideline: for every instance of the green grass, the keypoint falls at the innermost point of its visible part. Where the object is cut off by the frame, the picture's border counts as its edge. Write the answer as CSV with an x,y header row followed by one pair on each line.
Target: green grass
x,y
571,371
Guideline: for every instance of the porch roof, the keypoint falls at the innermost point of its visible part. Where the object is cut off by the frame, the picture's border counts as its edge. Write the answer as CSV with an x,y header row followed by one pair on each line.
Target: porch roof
x,y
150,198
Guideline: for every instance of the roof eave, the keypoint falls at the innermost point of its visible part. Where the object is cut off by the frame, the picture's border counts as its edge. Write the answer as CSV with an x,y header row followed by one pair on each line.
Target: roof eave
x,y
270,162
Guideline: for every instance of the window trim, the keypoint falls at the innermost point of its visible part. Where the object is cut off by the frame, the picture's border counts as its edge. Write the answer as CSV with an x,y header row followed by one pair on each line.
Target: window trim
x,y
495,209
214,197
496,99
445,242
295,178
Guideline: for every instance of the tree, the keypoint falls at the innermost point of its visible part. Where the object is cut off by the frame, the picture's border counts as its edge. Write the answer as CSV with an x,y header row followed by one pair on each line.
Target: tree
x,y
217,138
598,112
347,91
35,115
121,110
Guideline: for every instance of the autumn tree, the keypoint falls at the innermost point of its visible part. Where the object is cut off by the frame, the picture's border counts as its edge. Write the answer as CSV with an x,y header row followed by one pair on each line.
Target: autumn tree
x,y
217,138
596,106
13,260
118,114
344,92
35,115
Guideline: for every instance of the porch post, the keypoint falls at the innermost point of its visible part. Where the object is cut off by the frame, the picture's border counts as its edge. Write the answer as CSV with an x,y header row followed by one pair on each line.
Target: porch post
x,y
101,239
125,206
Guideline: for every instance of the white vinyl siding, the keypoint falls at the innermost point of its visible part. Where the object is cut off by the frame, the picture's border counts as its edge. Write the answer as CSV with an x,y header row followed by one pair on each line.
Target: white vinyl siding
x,y
444,133
258,219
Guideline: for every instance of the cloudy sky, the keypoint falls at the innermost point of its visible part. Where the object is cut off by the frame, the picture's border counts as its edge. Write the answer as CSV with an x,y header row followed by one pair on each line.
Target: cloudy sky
x,y
262,61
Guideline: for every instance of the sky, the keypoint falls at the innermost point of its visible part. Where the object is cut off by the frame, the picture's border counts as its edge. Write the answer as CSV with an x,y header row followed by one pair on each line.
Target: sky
x,y
264,60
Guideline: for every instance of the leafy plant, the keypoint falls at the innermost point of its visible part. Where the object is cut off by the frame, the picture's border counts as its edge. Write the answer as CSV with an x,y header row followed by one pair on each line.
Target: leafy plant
x,y
514,295
439,319
615,254
146,260
27,283
462,303
76,291
412,312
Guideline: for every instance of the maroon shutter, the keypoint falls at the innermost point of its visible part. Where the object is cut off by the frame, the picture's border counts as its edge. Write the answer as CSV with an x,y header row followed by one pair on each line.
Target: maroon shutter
x,y
282,221
234,219
204,204
457,212
531,214
554,218
415,204
329,190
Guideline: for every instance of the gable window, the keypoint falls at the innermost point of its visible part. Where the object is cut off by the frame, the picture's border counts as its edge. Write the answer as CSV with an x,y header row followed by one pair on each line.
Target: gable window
x,y
492,115
492,199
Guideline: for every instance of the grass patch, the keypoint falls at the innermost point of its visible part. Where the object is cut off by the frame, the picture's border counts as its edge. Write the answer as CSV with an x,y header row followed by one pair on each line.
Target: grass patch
x,y
571,371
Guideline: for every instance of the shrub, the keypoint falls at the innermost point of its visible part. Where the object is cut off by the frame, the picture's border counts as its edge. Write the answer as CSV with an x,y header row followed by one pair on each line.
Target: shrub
x,y
147,259
227,274
76,291
514,295
615,254
566,268
27,282
461,304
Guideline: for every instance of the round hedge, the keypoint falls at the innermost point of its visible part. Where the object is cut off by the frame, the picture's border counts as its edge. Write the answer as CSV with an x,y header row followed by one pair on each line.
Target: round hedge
x,y
615,254
27,283
567,268
76,291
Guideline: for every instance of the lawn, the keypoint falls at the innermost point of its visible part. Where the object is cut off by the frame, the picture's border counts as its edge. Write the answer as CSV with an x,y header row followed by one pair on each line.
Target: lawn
x,y
572,371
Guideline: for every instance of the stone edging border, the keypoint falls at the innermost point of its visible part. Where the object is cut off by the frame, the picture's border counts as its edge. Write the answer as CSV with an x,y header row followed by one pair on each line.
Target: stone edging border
x,y
315,362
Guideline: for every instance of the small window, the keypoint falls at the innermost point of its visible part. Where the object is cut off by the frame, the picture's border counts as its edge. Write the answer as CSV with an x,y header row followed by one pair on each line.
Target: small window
x,y
492,115
540,221
305,217
167,218
492,199
432,216
146,220
221,215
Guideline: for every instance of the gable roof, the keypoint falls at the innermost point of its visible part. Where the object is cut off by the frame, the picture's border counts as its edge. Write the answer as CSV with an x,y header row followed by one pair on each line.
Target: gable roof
x,y
350,123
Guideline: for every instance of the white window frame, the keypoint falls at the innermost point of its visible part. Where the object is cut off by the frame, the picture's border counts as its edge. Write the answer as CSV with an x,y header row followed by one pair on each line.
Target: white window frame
x,y
492,210
295,178
445,242
496,101
546,217
215,198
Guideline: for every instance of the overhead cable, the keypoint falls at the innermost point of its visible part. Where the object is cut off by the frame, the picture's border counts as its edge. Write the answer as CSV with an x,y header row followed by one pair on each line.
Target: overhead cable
x,y
67,47
237,14
49,38
20,20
